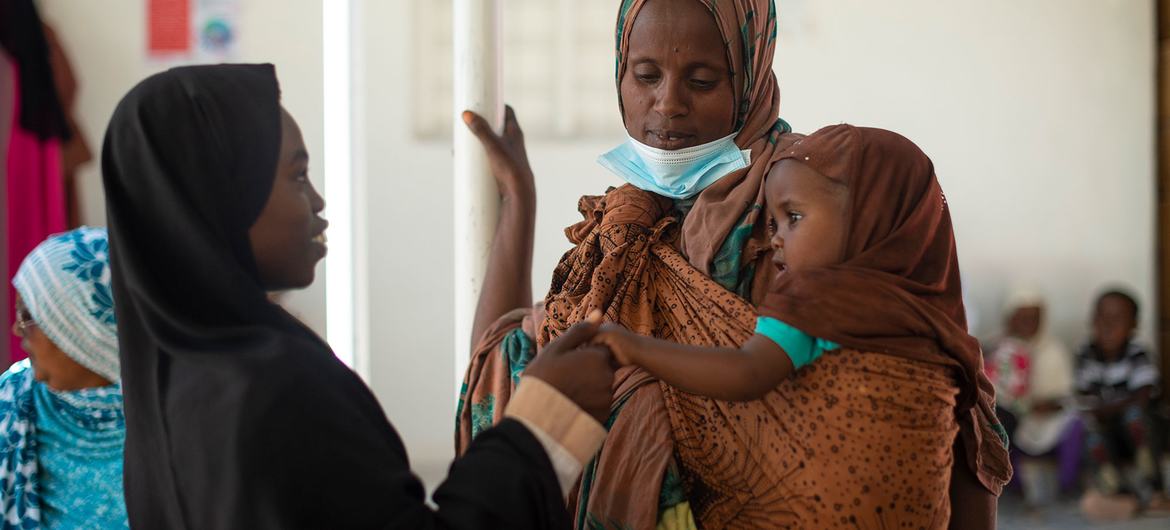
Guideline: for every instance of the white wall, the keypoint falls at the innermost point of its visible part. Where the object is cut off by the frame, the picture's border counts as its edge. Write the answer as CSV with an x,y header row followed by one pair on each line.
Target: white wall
x,y
1038,115
106,43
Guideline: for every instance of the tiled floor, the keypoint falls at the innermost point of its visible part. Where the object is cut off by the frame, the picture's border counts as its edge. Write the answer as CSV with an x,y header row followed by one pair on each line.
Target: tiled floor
x,y
1065,516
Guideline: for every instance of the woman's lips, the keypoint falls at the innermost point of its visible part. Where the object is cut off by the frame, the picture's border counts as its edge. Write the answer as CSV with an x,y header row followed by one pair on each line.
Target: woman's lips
x,y
669,140
320,241
319,238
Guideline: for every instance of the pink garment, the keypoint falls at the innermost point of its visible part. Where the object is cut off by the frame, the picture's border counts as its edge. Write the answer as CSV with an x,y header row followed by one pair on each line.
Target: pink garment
x,y
35,200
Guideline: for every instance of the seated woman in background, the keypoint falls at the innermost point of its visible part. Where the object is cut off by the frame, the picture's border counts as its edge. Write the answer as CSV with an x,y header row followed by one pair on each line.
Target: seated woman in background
x,y
1033,375
61,409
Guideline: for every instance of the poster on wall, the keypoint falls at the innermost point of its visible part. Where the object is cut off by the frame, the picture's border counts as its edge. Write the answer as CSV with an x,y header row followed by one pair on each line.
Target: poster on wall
x,y
168,28
192,31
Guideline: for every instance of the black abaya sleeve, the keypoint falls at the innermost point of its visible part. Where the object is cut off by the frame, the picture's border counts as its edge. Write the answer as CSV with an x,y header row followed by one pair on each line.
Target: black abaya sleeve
x,y
353,471
504,481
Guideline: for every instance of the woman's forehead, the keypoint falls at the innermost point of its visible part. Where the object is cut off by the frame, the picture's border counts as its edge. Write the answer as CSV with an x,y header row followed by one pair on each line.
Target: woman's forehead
x,y
292,143
684,27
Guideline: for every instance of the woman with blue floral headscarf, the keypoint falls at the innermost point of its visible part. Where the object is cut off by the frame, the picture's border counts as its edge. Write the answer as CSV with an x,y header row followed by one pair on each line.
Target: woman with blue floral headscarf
x,y
61,409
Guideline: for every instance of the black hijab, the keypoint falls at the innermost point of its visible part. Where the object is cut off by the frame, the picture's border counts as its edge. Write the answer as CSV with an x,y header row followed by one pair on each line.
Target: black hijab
x,y
23,37
237,416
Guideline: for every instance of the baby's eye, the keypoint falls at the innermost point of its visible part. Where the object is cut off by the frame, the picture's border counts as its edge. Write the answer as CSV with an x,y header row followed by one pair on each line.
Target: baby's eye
x,y
794,218
772,226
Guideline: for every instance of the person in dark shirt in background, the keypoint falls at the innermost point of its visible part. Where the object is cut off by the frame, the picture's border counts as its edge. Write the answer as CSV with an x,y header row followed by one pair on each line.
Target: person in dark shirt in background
x,y
1115,380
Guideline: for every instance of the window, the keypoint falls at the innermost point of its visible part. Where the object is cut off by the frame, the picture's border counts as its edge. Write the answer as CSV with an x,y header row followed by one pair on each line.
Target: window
x,y
558,62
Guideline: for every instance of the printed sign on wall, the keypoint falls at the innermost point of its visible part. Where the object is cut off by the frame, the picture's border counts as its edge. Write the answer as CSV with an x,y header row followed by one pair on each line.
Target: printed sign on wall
x,y
168,27
189,31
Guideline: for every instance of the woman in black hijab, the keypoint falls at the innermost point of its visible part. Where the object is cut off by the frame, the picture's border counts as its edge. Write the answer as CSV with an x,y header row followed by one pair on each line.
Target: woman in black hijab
x,y
237,415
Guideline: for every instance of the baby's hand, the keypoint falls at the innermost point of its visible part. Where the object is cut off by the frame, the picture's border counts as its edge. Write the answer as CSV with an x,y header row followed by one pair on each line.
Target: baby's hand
x,y
622,343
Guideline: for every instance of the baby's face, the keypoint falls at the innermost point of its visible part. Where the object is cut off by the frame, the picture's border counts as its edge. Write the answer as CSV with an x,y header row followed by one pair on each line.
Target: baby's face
x,y
808,217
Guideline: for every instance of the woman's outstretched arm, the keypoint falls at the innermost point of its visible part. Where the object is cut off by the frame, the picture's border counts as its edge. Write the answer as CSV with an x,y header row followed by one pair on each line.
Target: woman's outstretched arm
x,y
507,283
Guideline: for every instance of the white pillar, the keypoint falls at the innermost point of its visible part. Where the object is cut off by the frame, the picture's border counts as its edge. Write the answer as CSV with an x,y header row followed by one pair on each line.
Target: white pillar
x,y
477,88
339,199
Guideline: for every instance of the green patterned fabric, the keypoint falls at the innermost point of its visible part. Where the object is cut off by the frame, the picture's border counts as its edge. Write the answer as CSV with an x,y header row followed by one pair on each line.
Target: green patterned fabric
x,y
518,350
482,415
728,268
673,492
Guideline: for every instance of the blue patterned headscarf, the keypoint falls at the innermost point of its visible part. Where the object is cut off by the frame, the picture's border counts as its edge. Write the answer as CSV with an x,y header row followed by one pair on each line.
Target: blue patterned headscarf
x,y
65,283
61,451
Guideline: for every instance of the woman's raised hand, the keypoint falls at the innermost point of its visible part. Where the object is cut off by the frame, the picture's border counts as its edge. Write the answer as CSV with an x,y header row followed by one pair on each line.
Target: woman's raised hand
x,y
506,155
508,280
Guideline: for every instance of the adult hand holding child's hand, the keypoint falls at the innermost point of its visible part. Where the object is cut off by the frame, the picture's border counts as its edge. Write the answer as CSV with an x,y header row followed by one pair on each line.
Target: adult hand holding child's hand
x,y
622,342
581,371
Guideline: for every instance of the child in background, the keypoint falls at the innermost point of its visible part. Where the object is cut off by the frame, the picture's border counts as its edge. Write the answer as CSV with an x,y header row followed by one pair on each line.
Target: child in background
x,y
1033,376
1115,381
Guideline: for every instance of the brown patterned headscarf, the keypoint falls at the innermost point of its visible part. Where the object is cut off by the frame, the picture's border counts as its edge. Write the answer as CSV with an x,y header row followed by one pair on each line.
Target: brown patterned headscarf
x,y
897,290
748,28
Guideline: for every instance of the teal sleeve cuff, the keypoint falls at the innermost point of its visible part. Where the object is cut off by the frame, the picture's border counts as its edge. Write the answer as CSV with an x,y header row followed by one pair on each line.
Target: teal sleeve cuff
x,y
801,347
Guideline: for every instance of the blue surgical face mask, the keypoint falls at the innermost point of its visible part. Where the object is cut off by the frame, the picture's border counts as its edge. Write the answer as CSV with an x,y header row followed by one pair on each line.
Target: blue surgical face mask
x,y
678,174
